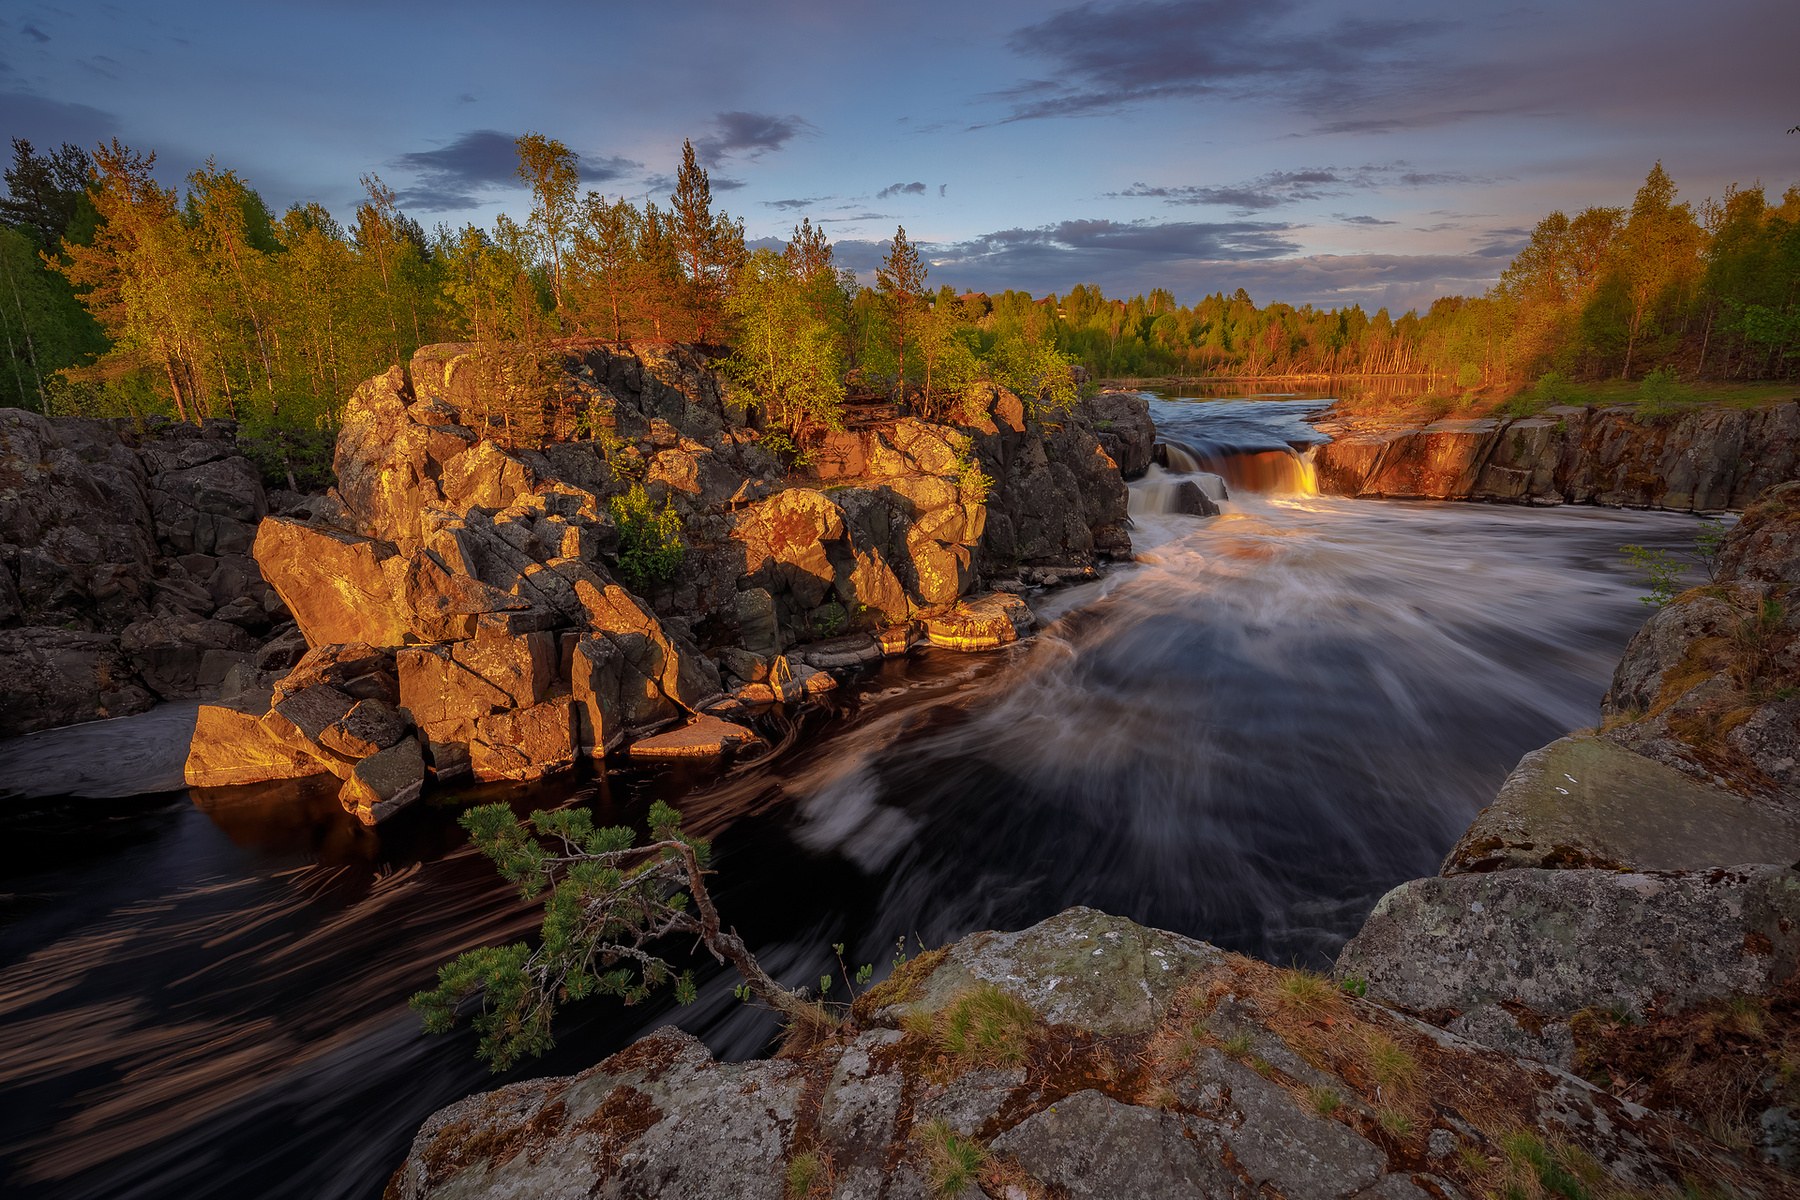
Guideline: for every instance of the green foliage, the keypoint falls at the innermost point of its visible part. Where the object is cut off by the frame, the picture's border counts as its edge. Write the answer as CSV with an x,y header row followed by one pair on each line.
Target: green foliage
x,y
1325,1100
803,1170
972,483
650,545
1396,1122
607,900
1468,375
787,354
1355,985
1037,371
1527,1150
1661,572
1661,396
952,1161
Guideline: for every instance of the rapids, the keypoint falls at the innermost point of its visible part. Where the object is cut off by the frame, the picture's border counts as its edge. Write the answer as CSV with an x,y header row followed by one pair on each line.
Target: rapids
x,y
1247,736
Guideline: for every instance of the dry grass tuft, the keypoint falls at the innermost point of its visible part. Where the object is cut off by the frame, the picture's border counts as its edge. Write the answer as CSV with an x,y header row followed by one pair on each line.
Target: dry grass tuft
x,y
1307,993
815,1027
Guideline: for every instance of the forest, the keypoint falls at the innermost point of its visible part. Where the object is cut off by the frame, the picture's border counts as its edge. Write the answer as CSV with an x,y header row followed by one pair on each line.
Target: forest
x,y
125,297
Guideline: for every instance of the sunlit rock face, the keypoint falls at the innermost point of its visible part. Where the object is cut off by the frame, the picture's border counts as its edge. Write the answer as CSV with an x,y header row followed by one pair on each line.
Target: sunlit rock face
x,y
1705,461
465,529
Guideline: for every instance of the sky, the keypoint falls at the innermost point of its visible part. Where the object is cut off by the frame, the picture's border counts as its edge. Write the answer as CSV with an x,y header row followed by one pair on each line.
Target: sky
x,y
1381,153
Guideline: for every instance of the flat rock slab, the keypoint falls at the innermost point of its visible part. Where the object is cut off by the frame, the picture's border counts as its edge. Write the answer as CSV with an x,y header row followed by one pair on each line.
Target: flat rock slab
x,y
126,756
1586,802
707,737
1507,957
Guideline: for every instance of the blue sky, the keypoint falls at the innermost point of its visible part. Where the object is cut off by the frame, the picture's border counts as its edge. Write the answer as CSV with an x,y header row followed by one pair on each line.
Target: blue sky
x,y
1382,153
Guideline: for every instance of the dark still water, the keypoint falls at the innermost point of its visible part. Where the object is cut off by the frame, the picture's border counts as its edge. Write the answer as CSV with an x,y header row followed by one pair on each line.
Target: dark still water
x,y
1247,737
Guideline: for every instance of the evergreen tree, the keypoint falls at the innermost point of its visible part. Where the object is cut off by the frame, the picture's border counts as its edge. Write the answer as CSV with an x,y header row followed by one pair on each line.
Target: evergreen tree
x,y
901,280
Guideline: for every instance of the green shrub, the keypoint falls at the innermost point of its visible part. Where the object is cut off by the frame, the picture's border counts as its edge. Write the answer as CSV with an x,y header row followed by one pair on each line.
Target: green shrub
x,y
650,546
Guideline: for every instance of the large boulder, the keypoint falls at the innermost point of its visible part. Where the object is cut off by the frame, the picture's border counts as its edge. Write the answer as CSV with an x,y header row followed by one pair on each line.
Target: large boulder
x,y
341,587
1587,802
230,747
184,657
1507,958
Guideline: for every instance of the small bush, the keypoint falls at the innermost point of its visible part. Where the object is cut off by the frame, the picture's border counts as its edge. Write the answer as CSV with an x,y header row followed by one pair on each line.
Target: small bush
x,y
1661,396
650,546
951,1161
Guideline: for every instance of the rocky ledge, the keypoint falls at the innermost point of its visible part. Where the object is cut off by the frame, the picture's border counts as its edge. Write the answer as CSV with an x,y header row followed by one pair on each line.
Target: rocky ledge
x,y
1706,460
1083,1057
465,601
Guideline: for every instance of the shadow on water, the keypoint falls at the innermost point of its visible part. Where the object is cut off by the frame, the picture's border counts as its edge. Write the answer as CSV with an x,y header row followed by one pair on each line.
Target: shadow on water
x,y
1247,737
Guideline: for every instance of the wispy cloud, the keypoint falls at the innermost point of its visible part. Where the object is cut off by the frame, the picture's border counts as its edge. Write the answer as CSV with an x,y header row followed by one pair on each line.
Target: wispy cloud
x,y
1276,188
900,189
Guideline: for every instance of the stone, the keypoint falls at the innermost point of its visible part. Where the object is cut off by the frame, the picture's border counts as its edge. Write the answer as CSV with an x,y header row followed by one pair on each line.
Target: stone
x,y
1764,547
52,677
751,668
357,669
282,651
784,541
984,623
369,726
851,650
1191,499
444,605
761,634
230,746
308,713
247,689
338,585
524,743
703,737
185,657
210,508
598,680
685,675
658,1119
1585,802
1081,967
1513,954
385,782
1093,1147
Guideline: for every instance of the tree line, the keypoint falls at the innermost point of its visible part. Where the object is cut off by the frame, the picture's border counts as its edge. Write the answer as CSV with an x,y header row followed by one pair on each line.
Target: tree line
x,y
123,296
1612,291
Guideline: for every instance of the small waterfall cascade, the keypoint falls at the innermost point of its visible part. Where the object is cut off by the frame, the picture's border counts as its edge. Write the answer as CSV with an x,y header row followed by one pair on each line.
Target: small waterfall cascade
x,y
1218,470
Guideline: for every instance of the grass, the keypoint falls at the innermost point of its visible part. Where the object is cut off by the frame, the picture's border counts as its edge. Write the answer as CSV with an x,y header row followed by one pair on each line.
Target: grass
x,y
1238,1045
1307,993
1396,1122
806,1173
1393,1068
951,1161
986,1027
1325,1100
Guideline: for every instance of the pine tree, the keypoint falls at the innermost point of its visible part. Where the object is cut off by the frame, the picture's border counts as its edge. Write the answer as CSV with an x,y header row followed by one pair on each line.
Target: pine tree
x,y
901,279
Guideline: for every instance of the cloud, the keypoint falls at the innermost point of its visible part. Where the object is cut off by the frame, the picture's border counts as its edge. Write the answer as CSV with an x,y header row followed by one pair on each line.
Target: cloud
x,y
34,33
1275,188
466,98
748,135
454,176
1348,220
1053,257
48,123
942,188
793,205
1107,58
900,189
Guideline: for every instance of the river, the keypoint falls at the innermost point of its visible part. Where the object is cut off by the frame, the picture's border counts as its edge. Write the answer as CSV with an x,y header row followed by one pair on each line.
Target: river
x,y
1247,736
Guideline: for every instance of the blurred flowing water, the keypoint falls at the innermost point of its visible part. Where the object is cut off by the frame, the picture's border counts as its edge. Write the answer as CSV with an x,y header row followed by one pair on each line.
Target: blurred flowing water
x,y
1247,737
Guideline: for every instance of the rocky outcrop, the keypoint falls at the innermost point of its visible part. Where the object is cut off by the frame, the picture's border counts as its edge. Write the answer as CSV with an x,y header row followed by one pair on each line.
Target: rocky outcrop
x,y
1508,958
1114,1061
465,559
124,559
1707,460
